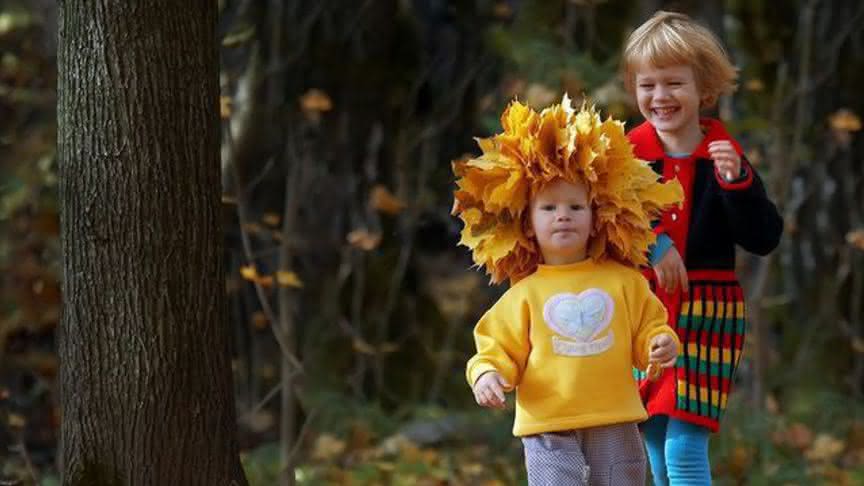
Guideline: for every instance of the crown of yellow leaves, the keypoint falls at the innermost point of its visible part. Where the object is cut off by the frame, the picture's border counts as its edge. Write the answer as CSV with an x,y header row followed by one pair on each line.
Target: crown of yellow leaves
x,y
535,148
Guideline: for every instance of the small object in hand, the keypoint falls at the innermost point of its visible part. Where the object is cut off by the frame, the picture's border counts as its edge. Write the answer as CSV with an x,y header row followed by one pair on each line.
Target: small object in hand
x,y
653,371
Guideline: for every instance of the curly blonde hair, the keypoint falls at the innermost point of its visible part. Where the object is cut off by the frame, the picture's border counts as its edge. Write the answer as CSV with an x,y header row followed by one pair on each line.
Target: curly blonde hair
x,y
671,38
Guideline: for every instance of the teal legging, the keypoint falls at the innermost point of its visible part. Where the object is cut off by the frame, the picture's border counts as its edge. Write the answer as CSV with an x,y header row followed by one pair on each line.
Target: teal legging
x,y
678,452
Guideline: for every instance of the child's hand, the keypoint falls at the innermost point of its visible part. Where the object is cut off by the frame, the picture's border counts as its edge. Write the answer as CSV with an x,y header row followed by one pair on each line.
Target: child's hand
x,y
663,350
671,272
726,159
489,390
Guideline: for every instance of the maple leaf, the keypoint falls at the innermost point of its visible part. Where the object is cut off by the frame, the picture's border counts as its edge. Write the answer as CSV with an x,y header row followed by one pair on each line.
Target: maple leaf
x,y
383,200
363,239
845,120
288,279
249,272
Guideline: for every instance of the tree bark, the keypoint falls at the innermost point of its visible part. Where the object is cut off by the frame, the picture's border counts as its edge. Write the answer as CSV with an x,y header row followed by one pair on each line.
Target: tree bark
x,y
145,380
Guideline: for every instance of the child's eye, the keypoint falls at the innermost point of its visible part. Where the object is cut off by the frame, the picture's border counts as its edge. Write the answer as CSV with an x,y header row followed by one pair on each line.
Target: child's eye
x,y
646,86
547,207
675,83
577,207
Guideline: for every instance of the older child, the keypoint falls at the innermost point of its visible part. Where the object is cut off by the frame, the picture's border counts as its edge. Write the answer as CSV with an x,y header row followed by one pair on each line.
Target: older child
x,y
675,68
558,205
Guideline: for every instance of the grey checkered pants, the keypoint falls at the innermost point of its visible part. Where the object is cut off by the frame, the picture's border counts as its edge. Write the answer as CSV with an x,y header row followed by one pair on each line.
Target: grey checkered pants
x,y
610,455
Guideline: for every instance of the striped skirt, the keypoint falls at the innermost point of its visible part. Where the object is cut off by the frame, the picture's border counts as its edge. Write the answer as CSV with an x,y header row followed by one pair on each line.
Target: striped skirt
x,y
711,322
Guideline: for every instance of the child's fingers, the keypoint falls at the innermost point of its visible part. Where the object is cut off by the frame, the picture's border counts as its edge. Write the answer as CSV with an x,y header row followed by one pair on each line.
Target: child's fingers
x,y
486,398
682,277
502,383
658,271
671,281
498,393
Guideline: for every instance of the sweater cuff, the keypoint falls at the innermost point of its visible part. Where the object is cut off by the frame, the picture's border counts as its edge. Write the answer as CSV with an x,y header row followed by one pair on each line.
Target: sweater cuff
x,y
744,180
473,373
658,250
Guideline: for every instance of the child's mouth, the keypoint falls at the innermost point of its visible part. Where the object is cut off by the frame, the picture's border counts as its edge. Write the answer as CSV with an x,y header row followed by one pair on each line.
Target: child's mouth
x,y
665,112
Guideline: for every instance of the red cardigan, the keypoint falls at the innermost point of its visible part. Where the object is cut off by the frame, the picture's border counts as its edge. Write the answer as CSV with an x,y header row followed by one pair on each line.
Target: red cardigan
x,y
709,318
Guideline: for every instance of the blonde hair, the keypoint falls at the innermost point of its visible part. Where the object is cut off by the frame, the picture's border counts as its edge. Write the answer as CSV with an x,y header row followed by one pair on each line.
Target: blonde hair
x,y
671,38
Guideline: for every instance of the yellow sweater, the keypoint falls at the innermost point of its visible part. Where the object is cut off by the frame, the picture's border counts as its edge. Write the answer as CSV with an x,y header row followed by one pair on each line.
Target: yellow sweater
x,y
567,337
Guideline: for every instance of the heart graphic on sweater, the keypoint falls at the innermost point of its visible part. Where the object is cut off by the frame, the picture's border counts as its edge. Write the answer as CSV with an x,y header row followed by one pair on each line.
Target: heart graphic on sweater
x,y
582,316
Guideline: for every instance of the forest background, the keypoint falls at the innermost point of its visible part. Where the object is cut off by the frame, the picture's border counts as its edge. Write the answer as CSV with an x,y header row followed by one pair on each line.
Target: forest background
x,y
340,120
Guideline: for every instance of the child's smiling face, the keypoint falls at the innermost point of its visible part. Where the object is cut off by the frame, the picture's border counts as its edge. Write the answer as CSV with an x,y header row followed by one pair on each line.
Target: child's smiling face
x,y
669,98
561,220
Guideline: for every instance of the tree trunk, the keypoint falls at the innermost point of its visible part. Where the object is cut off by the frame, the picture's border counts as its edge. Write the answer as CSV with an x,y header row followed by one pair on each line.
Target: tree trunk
x,y
145,381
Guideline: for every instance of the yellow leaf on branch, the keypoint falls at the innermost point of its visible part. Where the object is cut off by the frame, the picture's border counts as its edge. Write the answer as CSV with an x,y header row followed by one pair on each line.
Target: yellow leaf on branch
x,y
315,100
259,320
16,421
271,219
361,346
856,238
383,200
225,107
363,239
825,448
327,447
288,279
249,272
845,120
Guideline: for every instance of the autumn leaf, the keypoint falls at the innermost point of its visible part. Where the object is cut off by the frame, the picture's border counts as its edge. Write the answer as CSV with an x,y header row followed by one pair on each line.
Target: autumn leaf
x,y
845,120
361,346
388,347
363,239
315,100
288,279
360,436
502,10
856,238
252,228
825,448
16,421
327,447
383,200
740,460
755,85
799,436
225,107
249,272
772,405
271,219
259,320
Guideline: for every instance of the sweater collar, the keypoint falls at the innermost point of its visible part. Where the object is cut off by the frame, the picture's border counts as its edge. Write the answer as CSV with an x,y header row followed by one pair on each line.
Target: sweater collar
x,y
582,265
648,145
